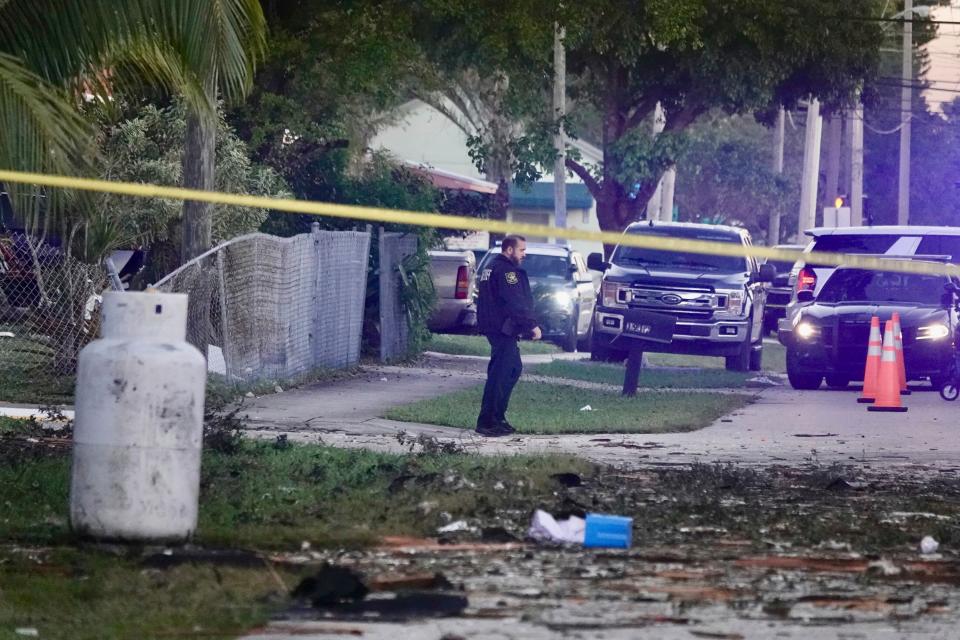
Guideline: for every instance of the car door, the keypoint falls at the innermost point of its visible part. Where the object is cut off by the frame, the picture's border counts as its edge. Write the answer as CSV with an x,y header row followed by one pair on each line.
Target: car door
x,y
586,295
757,292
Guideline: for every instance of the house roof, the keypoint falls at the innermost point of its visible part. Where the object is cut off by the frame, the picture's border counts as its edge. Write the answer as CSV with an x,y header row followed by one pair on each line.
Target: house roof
x,y
449,180
540,196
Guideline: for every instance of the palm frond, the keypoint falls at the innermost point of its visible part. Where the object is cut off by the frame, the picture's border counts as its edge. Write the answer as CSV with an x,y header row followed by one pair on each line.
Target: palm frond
x,y
40,130
61,39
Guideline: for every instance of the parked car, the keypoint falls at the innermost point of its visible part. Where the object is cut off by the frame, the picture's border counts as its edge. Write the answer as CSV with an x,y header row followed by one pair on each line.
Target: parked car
x,y
454,279
829,335
881,240
779,292
717,301
563,291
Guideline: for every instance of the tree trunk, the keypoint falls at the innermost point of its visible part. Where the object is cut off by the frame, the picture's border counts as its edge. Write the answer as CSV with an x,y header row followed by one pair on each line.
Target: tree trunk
x,y
199,159
199,154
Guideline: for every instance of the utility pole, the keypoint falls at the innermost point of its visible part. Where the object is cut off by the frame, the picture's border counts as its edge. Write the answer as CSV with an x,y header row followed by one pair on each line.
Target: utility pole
x,y
834,147
856,167
669,186
655,204
773,221
906,104
811,169
559,141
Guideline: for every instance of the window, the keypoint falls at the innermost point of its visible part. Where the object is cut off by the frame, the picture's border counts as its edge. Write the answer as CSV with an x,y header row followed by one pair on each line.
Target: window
x,y
940,246
861,285
629,256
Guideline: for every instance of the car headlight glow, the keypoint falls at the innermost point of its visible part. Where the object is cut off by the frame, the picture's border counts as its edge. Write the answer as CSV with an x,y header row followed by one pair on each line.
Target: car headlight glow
x,y
562,298
806,330
936,331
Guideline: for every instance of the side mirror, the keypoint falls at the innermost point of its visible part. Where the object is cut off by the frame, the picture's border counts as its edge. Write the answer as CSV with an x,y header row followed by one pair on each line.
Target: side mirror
x,y
768,273
805,296
596,262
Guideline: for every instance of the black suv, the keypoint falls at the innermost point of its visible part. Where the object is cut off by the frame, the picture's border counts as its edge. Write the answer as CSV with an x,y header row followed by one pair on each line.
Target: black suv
x,y
717,300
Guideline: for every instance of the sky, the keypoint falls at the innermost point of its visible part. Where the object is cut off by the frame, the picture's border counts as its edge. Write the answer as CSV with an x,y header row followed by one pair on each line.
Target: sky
x,y
944,72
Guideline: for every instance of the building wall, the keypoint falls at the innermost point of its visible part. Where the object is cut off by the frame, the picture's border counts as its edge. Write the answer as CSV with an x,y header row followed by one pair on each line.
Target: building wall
x,y
422,134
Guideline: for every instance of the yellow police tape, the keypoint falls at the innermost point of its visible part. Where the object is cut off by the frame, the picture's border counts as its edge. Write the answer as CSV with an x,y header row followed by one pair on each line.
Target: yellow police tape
x,y
442,221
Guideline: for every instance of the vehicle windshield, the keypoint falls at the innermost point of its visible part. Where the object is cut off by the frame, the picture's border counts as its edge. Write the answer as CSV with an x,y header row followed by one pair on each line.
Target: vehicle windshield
x,y
538,266
632,256
879,287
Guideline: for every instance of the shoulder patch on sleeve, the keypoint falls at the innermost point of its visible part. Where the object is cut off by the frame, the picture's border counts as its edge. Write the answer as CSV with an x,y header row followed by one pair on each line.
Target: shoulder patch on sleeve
x,y
511,277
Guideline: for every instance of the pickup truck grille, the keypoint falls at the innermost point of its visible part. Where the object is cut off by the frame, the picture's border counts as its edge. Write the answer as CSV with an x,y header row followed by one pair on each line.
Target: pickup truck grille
x,y
686,303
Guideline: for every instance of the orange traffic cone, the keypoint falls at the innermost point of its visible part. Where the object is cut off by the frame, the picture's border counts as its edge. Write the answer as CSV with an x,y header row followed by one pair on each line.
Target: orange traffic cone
x,y
898,343
874,351
888,381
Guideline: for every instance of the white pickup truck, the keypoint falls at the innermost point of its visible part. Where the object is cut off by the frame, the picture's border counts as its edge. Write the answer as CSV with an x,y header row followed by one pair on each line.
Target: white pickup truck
x,y
453,274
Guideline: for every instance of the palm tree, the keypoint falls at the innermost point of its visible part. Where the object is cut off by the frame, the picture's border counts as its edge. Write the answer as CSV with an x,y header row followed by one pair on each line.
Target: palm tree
x,y
52,49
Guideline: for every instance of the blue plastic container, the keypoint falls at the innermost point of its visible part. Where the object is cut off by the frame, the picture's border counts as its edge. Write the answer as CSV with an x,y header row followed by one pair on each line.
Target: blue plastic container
x,y
608,531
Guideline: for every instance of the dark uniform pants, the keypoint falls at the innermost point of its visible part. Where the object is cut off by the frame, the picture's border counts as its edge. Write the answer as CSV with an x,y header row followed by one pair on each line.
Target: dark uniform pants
x,y
503,371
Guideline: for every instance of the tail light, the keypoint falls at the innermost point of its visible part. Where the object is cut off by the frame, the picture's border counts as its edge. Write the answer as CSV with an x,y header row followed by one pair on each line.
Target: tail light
x,y
806,280
463,284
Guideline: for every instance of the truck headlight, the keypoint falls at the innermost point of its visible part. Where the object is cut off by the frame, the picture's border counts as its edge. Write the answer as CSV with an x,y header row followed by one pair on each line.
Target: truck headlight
x,y
735,302
562,299
936,331
608,293
806,330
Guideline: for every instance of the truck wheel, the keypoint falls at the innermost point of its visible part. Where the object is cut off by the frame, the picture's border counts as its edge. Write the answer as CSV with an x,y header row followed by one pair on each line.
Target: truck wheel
x,y
586,342
756,359
600,353
741,361
801,380
569,340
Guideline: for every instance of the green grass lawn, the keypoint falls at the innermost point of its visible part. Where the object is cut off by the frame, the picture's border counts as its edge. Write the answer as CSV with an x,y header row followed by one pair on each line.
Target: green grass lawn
x,y
264,497
26,372
478,346
549,408
656,378
774,359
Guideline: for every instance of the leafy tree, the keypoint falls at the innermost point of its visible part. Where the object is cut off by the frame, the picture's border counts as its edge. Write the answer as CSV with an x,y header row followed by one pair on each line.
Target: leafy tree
x,y
51,51
725,175
148,147
693,56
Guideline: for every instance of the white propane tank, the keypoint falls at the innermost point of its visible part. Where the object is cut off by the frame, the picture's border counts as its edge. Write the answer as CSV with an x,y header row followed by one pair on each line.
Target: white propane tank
x,y
138,429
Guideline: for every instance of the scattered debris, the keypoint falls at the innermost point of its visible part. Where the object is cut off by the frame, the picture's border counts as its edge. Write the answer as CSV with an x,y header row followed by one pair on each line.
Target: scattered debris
x,y
342,592
7,334
497,534
249,394
434,580
763,381
383,380
545,528
331,585
568,479
278,389
929,545
815,435
608,531
884,567
29,632
454,527
586,408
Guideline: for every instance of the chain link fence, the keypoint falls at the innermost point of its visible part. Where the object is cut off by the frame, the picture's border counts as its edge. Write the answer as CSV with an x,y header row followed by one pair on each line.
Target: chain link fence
x,y
268,308
49,310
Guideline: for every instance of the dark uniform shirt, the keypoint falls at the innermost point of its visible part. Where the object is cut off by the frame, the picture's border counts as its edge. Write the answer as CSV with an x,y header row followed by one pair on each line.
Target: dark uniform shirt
x,y
505,305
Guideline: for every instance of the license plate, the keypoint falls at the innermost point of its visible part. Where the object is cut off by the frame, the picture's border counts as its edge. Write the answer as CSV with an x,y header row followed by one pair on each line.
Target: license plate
x,y
639,328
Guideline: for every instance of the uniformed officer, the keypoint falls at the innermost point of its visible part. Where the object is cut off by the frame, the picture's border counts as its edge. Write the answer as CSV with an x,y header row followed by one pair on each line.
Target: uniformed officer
x,y
504,314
